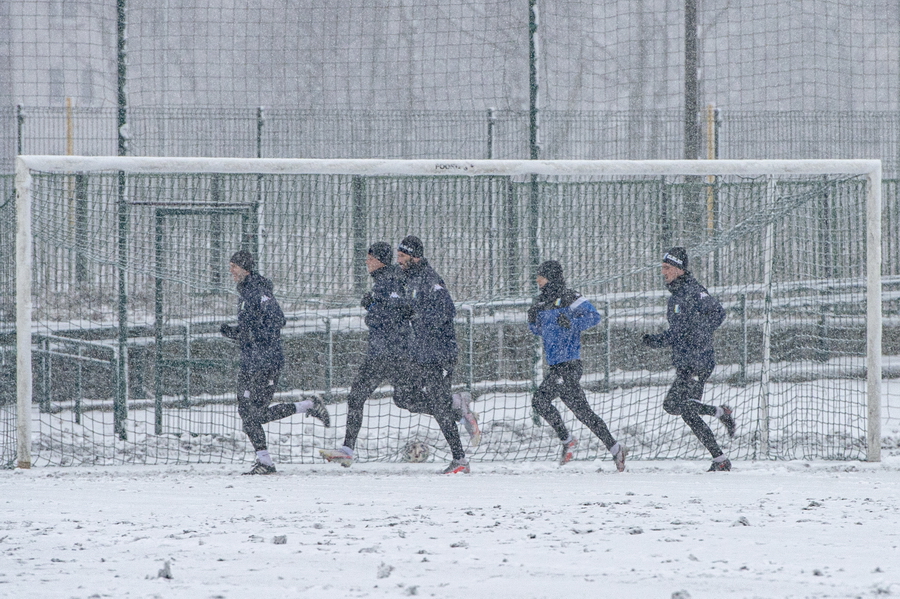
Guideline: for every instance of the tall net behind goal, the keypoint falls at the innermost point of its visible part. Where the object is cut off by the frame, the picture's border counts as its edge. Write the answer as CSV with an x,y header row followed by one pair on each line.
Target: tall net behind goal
x,y
125,264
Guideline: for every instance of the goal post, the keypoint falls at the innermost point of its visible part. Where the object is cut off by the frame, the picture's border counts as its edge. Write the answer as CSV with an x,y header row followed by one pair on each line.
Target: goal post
x,y
24,264
607,221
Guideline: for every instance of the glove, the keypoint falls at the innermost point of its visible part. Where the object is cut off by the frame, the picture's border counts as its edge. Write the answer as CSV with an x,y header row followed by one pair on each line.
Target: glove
x,y
532,314
367,300
229,331
652,340
563,321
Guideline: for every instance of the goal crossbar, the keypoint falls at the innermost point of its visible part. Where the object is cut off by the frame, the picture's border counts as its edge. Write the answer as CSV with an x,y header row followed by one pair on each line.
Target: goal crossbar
x,y
275,166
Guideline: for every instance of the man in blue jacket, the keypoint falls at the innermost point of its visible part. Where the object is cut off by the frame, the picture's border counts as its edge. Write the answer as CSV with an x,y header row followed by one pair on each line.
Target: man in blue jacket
x,y
258,332
387,317
433,349
693,316
558,316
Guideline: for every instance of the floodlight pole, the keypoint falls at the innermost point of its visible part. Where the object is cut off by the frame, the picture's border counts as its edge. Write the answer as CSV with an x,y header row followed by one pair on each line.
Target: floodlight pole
x,y
694,203
691,83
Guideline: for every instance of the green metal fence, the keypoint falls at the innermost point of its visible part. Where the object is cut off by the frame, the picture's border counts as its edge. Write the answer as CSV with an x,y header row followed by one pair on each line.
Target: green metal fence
x,y
296,133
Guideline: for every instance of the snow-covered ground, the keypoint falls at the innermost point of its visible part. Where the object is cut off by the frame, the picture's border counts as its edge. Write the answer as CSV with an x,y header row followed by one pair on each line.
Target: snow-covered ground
x,y
663,528
660,529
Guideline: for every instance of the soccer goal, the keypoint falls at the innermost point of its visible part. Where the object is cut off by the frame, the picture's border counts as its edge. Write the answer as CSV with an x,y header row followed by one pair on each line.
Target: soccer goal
x,y
122,283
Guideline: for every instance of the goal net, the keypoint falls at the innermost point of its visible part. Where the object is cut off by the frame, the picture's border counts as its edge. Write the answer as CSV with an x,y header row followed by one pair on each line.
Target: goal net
x,y
122,284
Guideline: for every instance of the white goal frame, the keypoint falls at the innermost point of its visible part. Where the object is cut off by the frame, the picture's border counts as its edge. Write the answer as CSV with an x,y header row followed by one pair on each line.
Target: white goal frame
x,y
870,169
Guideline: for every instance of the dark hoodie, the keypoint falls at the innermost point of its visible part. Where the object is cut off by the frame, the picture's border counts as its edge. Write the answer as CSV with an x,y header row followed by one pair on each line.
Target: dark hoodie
x,y
387,314
433,338
693,316
260,321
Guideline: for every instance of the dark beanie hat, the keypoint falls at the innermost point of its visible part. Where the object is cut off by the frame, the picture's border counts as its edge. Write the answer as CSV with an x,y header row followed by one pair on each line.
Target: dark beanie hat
x,y
552,271
381,251
412,246
245,260
677,257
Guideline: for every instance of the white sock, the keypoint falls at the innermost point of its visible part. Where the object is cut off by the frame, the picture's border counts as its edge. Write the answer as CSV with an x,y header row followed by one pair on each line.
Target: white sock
x,y
719,412
264,458
615,448
720,458
303,406
568,439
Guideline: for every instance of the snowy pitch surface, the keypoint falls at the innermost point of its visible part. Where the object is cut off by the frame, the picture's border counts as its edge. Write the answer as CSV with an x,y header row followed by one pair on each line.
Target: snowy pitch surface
x,y
789,529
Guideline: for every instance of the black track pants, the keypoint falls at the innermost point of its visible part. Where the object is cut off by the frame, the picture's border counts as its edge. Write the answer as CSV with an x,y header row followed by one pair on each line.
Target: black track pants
x,y
683,399
425,389
255,392
372,373
562,380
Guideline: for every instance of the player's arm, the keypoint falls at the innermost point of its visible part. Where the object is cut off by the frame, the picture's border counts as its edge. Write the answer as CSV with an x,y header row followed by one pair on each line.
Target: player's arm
x,y
534,318
582,315
437,307
710,312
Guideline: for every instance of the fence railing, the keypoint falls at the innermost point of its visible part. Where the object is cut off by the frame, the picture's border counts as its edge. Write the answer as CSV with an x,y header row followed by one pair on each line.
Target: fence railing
x,y
492,337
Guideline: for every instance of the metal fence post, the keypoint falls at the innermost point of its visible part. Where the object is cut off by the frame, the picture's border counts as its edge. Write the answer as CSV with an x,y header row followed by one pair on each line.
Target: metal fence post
x,y
216,255
492,120
20,129
81,228
607,348
360,219
120,408
253,221
470,350
188,371
158,323
46,376
260,121
329,360
511,238
745,350
79,390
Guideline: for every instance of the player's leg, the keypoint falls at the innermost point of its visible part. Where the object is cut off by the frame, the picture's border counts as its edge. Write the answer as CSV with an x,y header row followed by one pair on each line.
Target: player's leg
x,y
436,386
369,376
542,402
467,418
683,400
264,394
724,414
255,390
574,397
310,407
410,391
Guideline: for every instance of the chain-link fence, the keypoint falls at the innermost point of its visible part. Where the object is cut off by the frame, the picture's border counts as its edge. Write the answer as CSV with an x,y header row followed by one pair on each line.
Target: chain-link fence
x,y
294,133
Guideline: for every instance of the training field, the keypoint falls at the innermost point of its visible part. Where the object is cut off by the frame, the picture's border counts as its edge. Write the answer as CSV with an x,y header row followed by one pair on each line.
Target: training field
x,y
766,529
